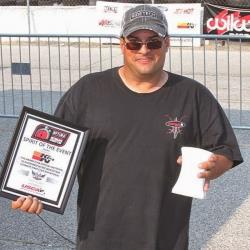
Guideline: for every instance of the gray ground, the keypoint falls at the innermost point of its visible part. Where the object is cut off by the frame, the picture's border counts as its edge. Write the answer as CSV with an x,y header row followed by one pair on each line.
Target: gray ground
x,y
221,221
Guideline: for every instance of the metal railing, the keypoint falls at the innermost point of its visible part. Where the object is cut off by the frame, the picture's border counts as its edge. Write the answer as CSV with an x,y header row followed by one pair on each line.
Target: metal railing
x,y
36,70
222,65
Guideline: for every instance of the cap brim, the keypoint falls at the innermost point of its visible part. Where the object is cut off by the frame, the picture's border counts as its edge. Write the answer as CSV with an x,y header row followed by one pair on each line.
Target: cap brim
x,y
143,27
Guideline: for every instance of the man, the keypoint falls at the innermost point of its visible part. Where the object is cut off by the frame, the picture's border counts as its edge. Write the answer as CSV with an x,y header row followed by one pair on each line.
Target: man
x,y
140,116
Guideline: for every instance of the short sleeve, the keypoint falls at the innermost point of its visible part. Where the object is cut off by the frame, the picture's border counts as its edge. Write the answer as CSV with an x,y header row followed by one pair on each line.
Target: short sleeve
x,y
217,134
72,105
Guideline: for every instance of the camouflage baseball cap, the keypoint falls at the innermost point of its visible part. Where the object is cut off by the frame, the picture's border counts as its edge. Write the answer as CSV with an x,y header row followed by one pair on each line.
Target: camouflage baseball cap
x,y
144,17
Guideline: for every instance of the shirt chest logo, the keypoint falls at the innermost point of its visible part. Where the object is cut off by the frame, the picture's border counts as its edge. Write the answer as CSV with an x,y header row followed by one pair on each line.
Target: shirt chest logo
x,y
175,126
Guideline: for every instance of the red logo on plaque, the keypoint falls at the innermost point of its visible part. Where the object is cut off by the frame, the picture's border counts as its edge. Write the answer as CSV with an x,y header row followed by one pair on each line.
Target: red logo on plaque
x,y
50,135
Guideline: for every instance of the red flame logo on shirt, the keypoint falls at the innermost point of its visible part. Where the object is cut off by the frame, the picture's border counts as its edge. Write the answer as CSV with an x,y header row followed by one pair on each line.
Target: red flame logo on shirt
x,y
175,125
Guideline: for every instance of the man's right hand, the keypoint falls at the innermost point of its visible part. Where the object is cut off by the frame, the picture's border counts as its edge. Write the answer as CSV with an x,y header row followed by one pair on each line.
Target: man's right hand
x,y
28,204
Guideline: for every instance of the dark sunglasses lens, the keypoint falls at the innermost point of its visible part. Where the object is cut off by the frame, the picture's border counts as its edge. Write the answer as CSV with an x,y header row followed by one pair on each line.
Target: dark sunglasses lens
x,y
133,45
154,44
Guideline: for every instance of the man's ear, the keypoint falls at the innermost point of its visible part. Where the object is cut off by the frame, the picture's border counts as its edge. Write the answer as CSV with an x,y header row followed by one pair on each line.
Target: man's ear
x,y
122,44
167,41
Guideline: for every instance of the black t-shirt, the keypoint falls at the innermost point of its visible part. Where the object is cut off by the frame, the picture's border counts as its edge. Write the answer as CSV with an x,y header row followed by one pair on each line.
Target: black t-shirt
x,y
129,166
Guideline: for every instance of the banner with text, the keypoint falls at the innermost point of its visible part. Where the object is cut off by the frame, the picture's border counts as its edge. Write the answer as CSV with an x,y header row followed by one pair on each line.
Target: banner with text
x,y
182,19
221,20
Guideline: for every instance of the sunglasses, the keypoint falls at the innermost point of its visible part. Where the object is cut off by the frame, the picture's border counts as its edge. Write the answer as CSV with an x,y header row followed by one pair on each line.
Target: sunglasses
x,y
137,45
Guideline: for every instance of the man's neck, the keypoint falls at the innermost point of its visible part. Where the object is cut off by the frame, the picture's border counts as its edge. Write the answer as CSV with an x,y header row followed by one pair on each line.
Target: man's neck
x,y
143,84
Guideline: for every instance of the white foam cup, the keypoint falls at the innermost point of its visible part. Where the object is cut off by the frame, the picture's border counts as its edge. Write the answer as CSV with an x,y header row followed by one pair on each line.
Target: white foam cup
x,y
188,183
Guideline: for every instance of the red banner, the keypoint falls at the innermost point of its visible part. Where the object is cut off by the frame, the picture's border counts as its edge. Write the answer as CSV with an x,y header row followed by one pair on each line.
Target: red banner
x,y
220,20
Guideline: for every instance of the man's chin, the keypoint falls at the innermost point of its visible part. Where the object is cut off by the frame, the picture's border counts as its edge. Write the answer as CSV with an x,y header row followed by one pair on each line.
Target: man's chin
x,y
145,70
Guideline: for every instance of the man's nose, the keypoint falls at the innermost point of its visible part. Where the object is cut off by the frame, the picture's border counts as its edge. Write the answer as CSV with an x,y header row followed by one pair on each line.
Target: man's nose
x,y
144,48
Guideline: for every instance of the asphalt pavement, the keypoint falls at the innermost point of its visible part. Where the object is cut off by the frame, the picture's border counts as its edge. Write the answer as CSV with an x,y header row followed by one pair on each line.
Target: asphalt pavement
x,y
221,221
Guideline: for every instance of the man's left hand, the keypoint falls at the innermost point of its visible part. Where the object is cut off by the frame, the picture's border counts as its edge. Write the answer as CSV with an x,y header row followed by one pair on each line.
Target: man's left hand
x,y
214,167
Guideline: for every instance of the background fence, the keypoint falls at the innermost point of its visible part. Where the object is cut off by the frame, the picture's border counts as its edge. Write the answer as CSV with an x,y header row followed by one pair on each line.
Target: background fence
x,y
36,70
233,3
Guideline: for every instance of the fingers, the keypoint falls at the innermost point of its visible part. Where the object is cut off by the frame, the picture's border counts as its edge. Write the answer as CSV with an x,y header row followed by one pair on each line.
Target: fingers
x,y
28,204
206,185
179,160
40,208
209,168
35,207
18,203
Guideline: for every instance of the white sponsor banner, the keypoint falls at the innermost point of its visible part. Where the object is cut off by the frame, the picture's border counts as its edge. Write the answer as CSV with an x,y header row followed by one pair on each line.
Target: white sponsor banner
x,y
48,20
182,19
109,16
